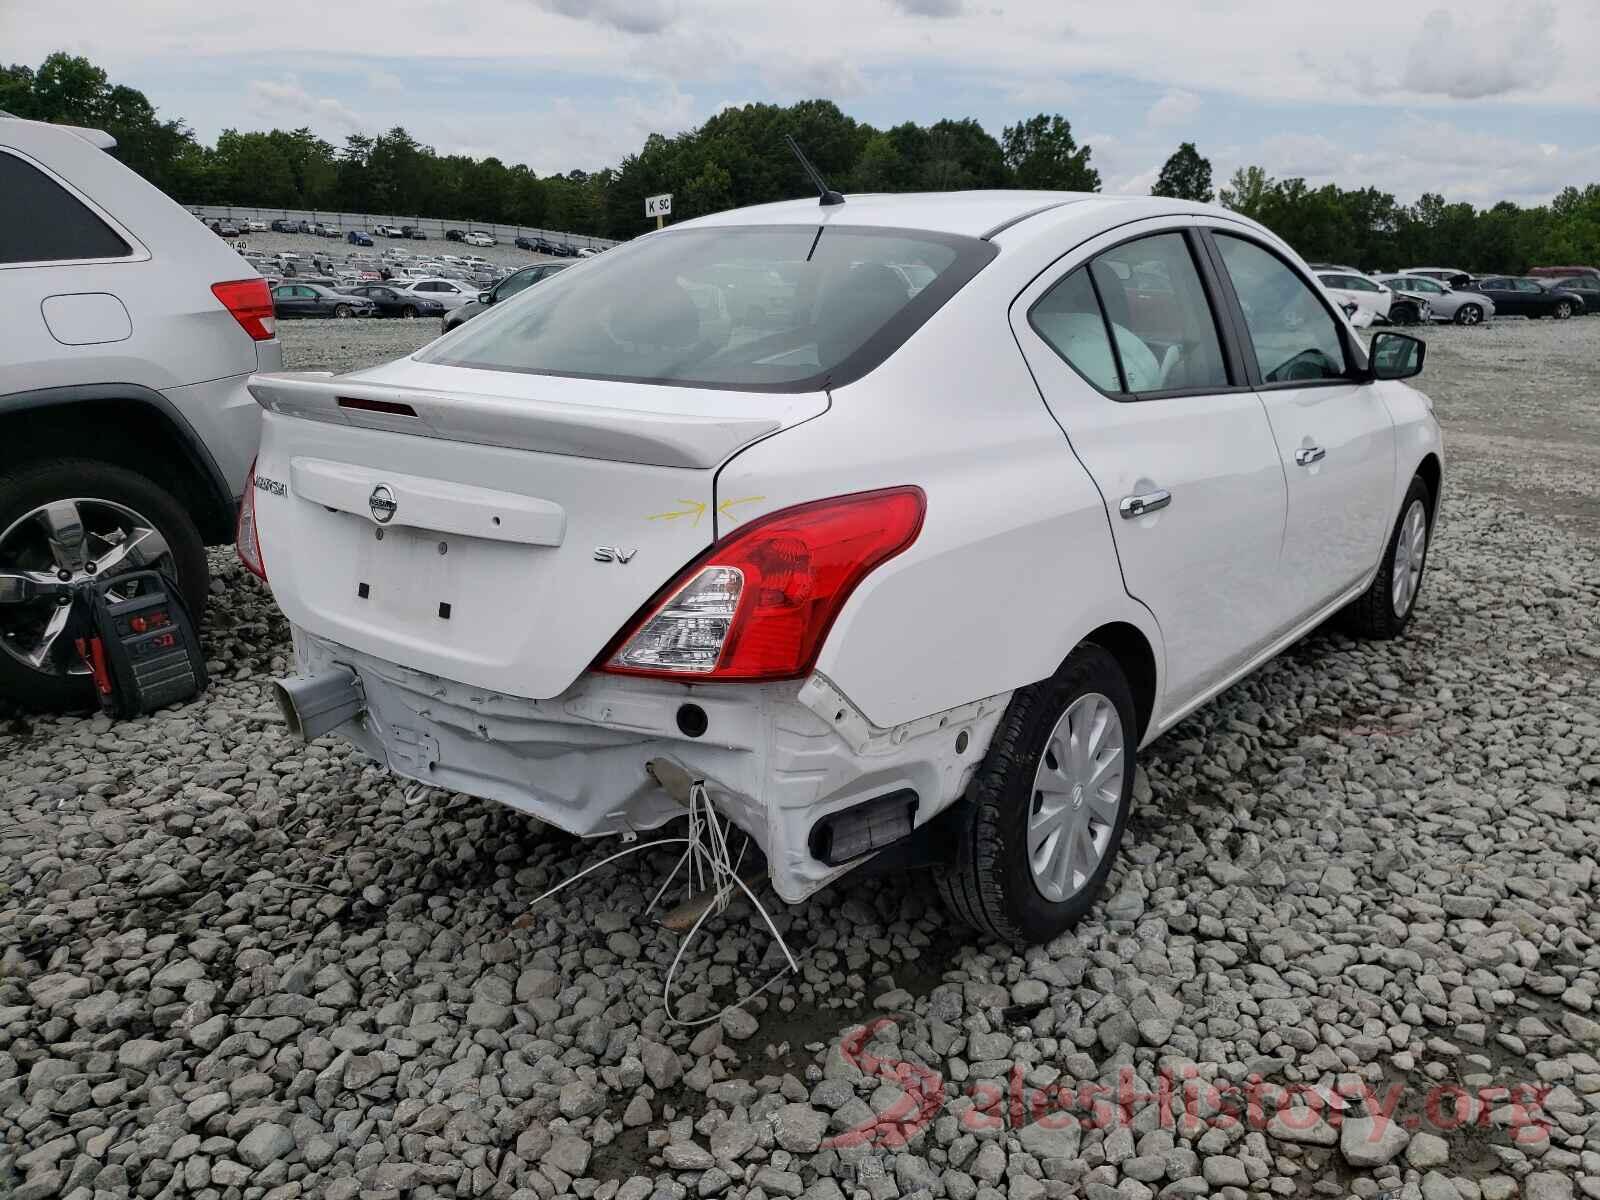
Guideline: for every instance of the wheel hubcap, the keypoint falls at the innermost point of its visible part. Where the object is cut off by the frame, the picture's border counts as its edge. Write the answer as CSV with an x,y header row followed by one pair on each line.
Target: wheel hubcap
x,y
1410,549
1077,793
65,542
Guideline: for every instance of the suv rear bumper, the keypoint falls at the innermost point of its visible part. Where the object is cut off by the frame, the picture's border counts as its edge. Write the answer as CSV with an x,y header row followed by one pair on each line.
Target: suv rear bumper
x,y
776,758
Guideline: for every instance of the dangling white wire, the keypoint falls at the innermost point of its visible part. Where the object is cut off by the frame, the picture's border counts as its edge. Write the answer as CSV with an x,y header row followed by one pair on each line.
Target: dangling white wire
x,y
709,866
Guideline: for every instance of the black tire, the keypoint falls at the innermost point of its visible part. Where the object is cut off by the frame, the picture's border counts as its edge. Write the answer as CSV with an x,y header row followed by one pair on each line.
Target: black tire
x,y
1469,314
341,310
990,886
1404,314
409,311
1563,310
1372,615
25,488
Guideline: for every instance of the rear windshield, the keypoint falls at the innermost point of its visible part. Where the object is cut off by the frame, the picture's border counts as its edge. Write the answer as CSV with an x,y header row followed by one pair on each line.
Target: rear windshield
x,y
772,308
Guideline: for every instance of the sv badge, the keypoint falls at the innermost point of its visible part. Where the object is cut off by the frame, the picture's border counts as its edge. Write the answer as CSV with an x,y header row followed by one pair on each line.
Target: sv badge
x,y
614,554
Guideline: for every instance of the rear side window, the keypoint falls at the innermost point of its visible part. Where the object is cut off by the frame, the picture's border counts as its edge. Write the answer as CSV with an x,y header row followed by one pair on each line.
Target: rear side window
x,y
40,221
1068,318
1146,294
772,308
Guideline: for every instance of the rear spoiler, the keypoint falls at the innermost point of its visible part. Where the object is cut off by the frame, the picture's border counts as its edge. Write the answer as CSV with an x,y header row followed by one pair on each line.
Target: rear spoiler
x,y
519,423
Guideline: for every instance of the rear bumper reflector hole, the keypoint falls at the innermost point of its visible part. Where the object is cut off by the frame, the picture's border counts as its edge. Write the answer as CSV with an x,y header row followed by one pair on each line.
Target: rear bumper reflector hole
x,y
363,590
868,826
444,611
692,720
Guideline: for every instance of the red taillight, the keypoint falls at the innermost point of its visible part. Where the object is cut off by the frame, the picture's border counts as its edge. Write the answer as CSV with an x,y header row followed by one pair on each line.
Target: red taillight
x,y
247,539
759,603
250,302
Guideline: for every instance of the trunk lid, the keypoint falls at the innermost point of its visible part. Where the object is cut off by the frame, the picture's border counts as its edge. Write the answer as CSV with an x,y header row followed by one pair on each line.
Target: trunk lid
x,y
491,528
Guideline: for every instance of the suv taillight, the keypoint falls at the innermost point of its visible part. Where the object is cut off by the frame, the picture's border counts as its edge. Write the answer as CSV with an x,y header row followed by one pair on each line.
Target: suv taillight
x,y
250,302
760,602
247,538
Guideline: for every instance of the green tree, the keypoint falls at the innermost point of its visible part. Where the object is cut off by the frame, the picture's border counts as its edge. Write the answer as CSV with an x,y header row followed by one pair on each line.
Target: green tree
x,y
1185,176
1042,153
1247,191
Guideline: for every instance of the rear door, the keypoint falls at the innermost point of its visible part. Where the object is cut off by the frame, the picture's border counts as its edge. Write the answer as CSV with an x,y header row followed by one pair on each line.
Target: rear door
x,y
1124,343
1334,434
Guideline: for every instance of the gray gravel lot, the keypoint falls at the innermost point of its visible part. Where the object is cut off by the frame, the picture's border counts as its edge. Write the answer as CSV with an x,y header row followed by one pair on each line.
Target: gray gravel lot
x,y
1363,881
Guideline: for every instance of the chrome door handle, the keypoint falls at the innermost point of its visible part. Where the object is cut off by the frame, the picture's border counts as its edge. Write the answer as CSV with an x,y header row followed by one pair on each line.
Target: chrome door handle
x,y
1304,458
1149,502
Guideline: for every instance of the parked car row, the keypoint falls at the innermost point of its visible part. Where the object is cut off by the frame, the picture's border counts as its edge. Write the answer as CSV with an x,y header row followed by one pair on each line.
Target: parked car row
x,y
1445,294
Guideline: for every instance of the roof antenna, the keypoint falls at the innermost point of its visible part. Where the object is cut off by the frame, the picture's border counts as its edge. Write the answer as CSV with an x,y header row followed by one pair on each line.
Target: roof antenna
x,y
829,196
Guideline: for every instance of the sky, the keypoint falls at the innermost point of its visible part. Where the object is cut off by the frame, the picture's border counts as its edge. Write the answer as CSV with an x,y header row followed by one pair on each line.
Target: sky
x,y
1480,101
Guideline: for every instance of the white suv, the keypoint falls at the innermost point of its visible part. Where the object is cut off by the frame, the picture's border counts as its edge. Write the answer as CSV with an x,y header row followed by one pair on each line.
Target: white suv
x,y
910,563
129,333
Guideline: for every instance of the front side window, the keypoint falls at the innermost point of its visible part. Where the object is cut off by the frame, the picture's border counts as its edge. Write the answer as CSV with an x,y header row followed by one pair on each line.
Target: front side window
x,y
1294,335
781,308
40,221
1159,314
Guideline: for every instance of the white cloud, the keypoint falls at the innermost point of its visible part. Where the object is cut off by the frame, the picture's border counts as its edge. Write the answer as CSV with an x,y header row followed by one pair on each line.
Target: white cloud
x,y
1515,51
928,8
284,102
1174,108
630,16
383,81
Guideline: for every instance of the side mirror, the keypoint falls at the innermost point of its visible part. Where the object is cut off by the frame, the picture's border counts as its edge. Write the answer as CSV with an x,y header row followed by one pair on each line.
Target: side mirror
x,y
485,297
1396,355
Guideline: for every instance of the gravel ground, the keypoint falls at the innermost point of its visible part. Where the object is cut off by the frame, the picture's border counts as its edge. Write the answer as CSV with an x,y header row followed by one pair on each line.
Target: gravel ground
x,y
1361,883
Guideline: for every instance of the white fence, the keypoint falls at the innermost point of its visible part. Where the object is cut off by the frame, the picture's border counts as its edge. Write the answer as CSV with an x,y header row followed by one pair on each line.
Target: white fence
x,y
432,226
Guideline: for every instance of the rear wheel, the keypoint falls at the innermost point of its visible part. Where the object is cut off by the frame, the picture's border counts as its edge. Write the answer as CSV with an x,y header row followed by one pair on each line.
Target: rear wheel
x,y
341,310
1046,811
1469,314
71,520
1384,610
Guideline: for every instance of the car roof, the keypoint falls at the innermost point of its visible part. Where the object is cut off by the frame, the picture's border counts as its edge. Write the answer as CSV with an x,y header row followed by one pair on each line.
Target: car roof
x,y
980,214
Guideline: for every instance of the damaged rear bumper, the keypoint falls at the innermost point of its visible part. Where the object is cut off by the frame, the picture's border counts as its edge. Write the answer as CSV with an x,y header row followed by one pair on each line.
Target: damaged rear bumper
x,y
777,759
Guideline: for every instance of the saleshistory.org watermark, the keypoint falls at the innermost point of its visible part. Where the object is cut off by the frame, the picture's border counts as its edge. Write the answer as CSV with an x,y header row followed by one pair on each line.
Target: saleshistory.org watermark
x,y
1184,1101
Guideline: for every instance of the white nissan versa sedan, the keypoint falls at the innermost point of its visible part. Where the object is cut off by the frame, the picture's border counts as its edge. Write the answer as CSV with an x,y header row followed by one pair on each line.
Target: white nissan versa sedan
x,y
907,562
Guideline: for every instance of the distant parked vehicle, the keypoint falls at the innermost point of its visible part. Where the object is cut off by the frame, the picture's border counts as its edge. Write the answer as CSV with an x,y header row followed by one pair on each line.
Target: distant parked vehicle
x,y
1407,306
588,251
1454,276
508,287
565,250
455,235
1587,286
357,237
225,229
1446,303
331,231
414,232
256,226
523,242
1520,296
281,226
315,300
391,301
1368,294
450,293
1564,272
479,238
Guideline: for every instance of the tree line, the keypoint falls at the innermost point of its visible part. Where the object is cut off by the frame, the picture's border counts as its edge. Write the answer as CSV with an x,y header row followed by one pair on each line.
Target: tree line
x,y
738,157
